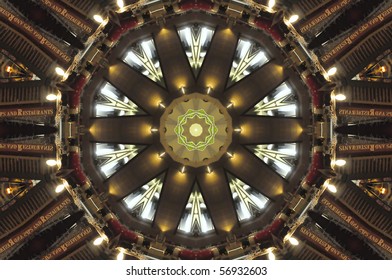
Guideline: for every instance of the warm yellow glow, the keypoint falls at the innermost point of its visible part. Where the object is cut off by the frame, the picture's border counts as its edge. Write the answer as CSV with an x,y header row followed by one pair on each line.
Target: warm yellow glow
x,y
209,170
98,241
332,188
60,188
8,69
229,105
383,69
293,241
195,130
238,129
209,89
332,71
230,155
120,4
183,90
51,162
98,18
271,256
293,18
183,169
51,97
271,4
340,97
120,256
340,162
383,191
153,129
9,190
59,71
162,105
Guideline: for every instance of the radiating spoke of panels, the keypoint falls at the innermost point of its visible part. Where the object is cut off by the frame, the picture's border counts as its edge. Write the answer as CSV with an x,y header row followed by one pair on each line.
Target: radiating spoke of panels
x,y
280,157
143,202
13,188
110,102
249,203
13,71
143,57
196,40
281,102
249,56
196,220
111,157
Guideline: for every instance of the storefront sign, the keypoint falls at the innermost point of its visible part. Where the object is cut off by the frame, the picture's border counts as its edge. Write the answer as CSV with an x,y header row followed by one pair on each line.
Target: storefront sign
x,y
351,149
357,225
314,238
27,112
69,244
37,224
354,38
352,111
33,34
69,15
27,148
332,10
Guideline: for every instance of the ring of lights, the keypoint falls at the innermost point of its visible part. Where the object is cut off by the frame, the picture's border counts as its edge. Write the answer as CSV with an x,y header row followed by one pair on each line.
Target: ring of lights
x,y
196,130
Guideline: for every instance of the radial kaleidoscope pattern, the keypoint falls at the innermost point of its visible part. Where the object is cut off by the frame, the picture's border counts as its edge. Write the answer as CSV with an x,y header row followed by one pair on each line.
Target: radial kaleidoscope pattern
x,y
213,109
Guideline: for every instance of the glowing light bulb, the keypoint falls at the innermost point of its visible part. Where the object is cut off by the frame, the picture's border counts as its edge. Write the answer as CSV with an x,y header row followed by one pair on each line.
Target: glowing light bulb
x,y
60,188
51,97
98,18
51,162
332,188
293,241
271,256
98,241
59,71
293,18
271,4
120,256
340,162
332,71
120,4
340,97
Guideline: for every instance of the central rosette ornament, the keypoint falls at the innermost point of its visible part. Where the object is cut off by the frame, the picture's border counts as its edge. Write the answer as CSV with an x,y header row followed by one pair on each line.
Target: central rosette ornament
x,y
196,130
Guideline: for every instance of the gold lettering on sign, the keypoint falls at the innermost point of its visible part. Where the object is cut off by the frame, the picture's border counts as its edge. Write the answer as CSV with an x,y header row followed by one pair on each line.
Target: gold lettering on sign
x,y
33,34
59,9
358,34
332,10
364,112
37,224
322,243
27,112
357,225
12,147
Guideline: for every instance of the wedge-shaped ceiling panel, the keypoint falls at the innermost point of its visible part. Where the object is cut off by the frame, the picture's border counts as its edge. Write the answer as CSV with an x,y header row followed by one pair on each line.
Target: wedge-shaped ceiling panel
x,y
249,203
280,157
280,102
249,56
143,202
111,157
196,220
143,57
196,40
110,102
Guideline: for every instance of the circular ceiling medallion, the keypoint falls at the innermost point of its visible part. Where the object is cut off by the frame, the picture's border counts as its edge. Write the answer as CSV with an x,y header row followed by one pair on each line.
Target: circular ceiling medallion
x,y
196,130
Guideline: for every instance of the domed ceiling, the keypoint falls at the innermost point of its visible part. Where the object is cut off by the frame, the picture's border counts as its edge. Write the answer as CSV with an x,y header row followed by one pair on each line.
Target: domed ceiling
x,y
195,130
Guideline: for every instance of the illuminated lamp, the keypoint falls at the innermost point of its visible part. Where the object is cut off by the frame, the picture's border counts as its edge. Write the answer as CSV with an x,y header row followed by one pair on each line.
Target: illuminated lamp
x,y
271,256
209,170
332,188
59,188
98,241
293,18
120,4
59,71
9,190
271,4
340,162
183,169
51,97
120,256
51,162
98,18
293,241
332,71
340,97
